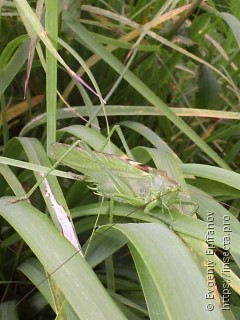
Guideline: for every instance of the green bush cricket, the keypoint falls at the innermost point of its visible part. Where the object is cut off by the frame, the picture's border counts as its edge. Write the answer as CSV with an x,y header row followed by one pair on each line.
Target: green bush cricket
x,y
119,178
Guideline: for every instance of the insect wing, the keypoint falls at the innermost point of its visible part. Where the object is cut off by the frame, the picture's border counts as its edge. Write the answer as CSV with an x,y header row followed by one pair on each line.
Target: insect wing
x,y
111,174
121,178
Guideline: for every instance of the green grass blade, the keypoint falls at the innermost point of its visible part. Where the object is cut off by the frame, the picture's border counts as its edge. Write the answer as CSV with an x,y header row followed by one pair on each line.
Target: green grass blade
x,y
228,177
119,110
141,88
12,180
76,279
233,23
33,26
33,269
160,257
33,167
35,272
7,311
182,223
14,65
36,154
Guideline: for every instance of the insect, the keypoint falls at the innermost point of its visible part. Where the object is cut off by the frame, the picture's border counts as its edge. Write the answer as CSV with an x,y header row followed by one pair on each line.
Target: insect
x,y
121,179
118,178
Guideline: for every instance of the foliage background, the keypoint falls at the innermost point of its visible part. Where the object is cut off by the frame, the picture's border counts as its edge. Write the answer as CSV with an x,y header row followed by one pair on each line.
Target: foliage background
x,y
169,72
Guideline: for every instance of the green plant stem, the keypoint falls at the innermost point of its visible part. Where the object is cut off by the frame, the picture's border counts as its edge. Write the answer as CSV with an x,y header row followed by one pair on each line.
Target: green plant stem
x,y
51,71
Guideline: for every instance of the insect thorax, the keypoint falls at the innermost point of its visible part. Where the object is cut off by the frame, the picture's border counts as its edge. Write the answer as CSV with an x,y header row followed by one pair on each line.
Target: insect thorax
x,y
163,188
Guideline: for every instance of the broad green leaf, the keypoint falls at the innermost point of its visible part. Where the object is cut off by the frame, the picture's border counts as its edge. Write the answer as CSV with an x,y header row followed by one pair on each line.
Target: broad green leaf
x,y
210,172
14,65
12,180
7,310
160,257
203,251
92,137
9,51
76,279
208,92
35,272
181,223
36,154
233,23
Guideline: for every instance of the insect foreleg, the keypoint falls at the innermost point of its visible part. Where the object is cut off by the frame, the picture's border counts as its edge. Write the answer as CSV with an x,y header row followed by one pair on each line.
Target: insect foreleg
x,y
155,203
164,199
150,206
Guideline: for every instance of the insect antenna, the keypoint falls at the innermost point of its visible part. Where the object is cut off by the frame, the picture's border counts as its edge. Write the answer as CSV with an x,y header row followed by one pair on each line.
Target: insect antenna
x,y
211,198
87,243
91,240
